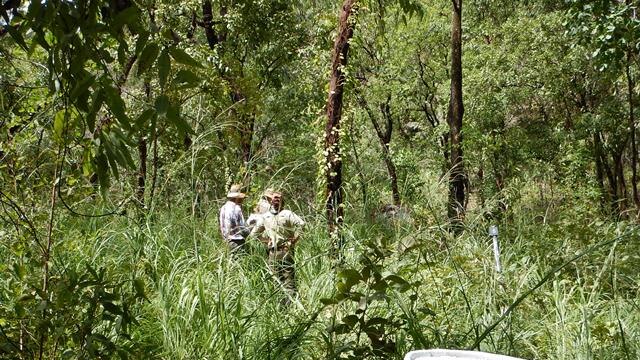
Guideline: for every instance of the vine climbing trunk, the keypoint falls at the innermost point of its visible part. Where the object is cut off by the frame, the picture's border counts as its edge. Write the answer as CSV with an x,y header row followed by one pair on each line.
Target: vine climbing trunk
x,y
457,178
333,160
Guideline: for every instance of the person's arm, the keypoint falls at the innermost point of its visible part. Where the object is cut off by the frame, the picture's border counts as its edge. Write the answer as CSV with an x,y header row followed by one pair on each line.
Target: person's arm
x,y
243,229
297,224
297,220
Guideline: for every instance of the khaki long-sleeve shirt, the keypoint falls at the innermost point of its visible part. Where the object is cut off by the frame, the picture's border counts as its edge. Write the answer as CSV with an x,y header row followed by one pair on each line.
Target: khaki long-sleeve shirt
x,y
281,229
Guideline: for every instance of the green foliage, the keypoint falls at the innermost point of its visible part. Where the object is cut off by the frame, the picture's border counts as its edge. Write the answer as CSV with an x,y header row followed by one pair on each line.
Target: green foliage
x,y
611,28
369,289
92,92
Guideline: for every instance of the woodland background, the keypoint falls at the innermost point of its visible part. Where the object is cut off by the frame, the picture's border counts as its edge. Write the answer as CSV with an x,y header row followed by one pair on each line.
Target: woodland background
x,y
400,130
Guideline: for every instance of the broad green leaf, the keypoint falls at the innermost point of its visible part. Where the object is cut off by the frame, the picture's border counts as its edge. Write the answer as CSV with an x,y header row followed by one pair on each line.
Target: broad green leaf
x,y
142,119
102,170
59,124
399,283
87,163
328,301
117,106
141,42
164,68
339,329
90,118
182,57
17,37
348,277
162,105
122,53
127,16
350,320
147,58
138,285
186,77
82,86
111,159
19,310
173,115
112,308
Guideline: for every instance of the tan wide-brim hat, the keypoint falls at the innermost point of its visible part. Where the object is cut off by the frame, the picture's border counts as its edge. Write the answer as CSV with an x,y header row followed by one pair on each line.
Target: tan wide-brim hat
x,y
268,193
273,194
235,193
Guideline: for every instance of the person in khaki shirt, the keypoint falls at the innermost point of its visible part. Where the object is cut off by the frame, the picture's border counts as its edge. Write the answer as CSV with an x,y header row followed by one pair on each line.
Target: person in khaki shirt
x,y
280,229
262,208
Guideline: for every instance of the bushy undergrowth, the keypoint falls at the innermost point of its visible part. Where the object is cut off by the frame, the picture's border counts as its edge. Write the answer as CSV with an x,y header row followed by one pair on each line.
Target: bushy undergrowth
x,y
165,287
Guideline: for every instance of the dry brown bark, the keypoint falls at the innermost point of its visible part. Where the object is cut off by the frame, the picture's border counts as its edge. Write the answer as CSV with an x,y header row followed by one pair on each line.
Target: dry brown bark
x,y
457,177
333,159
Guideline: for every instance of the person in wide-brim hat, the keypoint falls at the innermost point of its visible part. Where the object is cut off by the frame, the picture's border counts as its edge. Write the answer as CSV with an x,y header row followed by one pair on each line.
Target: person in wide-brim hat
x,y
281,229
232,225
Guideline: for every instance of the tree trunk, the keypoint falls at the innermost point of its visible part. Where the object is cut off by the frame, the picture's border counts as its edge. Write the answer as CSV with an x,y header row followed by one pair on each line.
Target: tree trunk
x,y
480,175
611,176
597,154
333,161
632,131
385,140
246,125
457,178
154,161
142,169
384,136
142,156
207,20
622,186
246,139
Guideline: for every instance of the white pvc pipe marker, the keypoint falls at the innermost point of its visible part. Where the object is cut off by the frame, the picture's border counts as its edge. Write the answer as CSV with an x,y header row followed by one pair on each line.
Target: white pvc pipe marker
x,y
493,232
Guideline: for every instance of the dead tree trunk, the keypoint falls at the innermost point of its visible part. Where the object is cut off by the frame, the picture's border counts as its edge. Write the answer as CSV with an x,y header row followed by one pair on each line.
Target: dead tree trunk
x,y
457,178
333,160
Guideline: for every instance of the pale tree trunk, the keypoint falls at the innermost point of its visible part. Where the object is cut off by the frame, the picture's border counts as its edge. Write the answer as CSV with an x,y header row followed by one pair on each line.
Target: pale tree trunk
x,y
333,161
457,178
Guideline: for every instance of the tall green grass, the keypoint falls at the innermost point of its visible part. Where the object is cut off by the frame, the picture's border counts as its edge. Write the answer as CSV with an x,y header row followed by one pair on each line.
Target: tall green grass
x,y
204,303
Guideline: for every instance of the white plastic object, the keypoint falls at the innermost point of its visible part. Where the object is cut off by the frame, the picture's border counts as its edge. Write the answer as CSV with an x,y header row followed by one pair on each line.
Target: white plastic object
x,y
443,354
